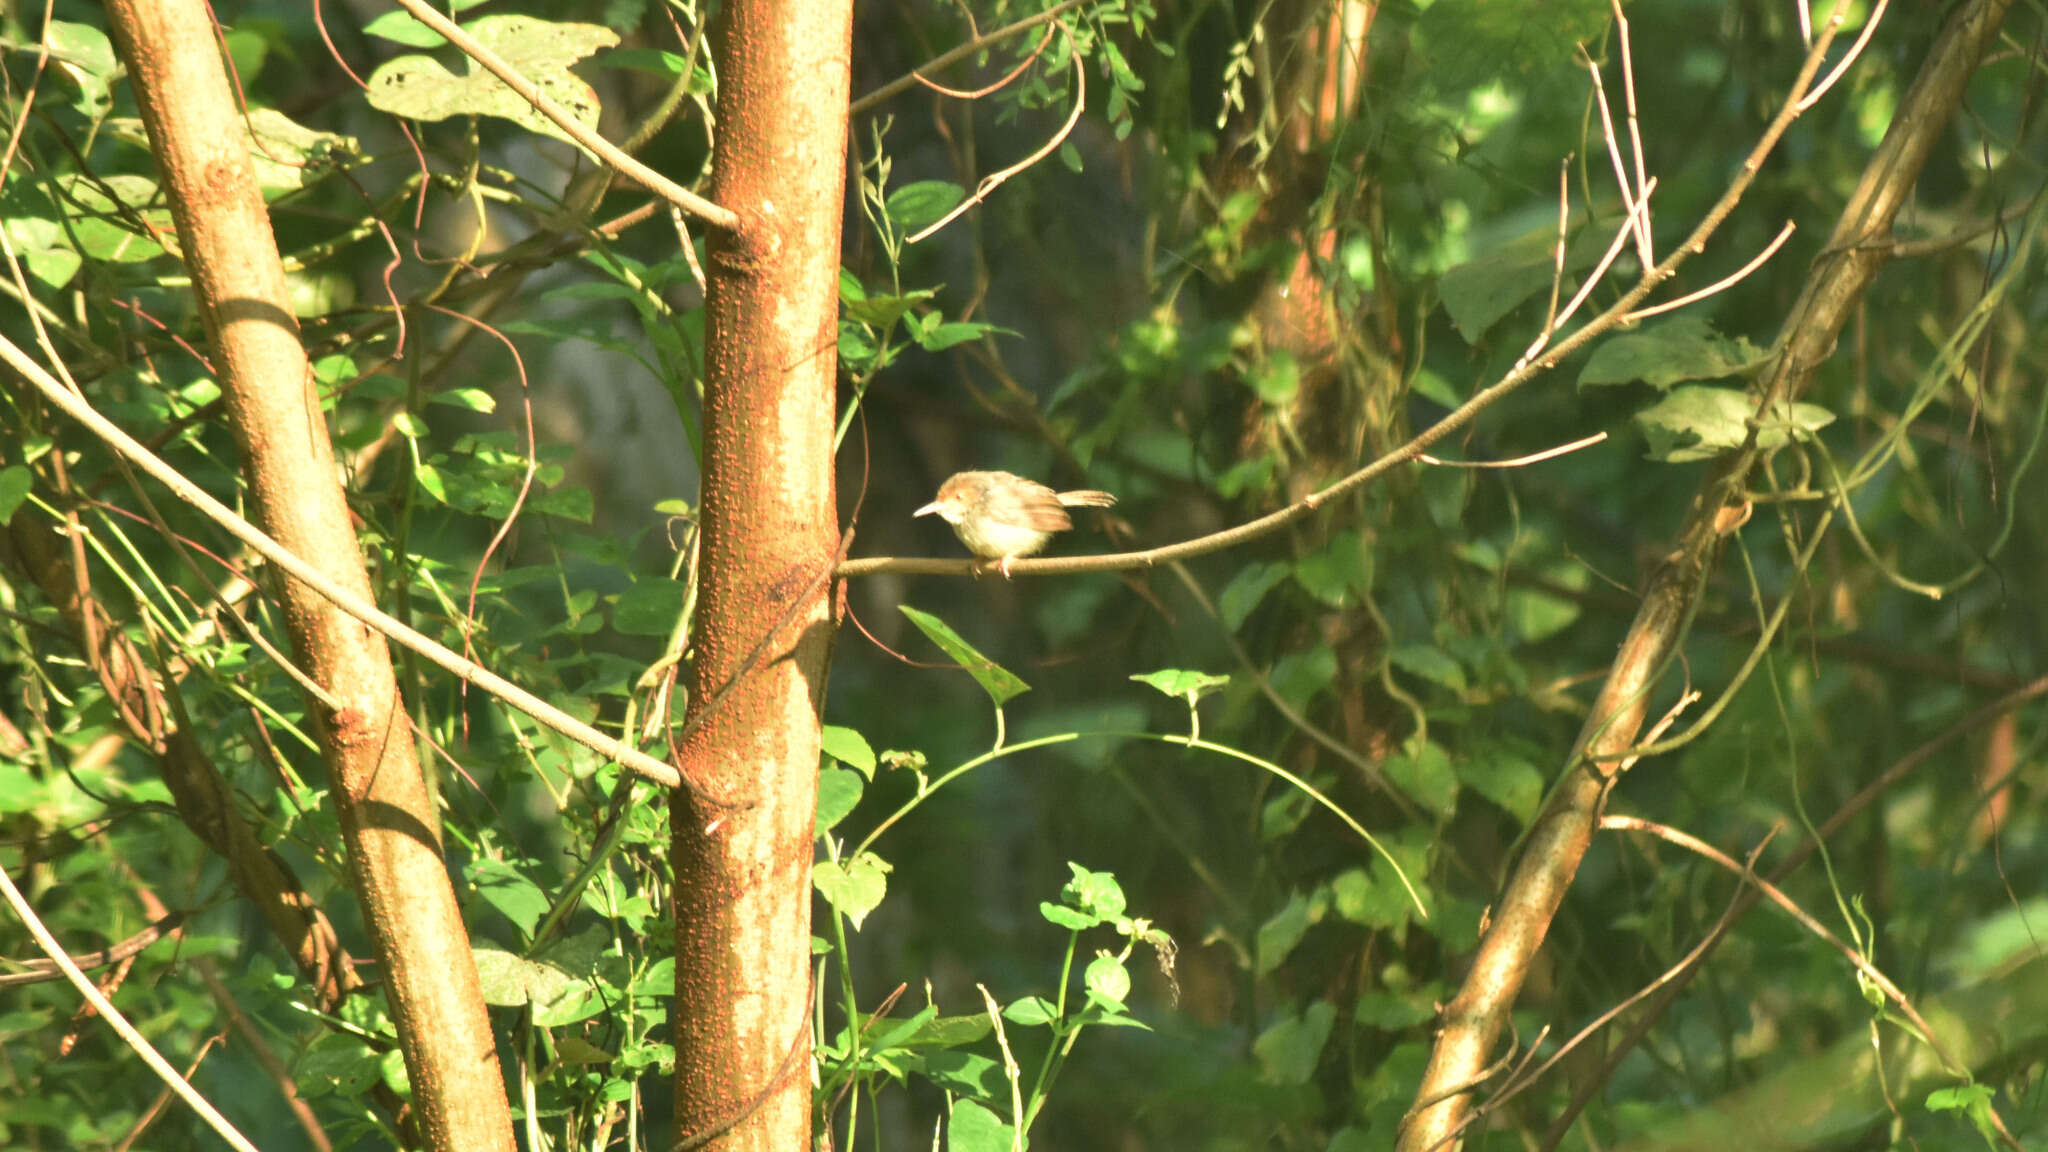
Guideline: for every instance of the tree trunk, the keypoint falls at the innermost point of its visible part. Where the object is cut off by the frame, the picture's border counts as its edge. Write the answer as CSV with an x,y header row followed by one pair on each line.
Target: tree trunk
x,y
387,818
742,832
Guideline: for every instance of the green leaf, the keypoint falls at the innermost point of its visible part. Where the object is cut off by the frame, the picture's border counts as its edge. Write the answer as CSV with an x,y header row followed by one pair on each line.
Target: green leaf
x,y
85,55
914,207
337,1063
1289,1051
511,981
849,748
1107,980
1065,917
1280,933
1182,684
1300,676
1392,1012
1000,683
509,891
939,337
881,311
855,886
429,478
16,482
1340,574
1278,380
1504,778
1426,777
1435,389
421,88
117,218
1491,285
964,1073
1432,664
1072,919
972,1128
659,63
1096,893
650,606
1699,423
1245,590
1031,1012
1680,349
472,399
839,793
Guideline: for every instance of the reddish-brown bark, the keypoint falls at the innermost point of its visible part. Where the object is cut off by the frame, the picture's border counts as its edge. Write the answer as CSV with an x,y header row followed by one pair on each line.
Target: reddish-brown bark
x,y
743,834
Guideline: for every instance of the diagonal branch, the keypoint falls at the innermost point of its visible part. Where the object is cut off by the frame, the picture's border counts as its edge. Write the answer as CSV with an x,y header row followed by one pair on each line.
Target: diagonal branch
x,y
1474,1020
604,149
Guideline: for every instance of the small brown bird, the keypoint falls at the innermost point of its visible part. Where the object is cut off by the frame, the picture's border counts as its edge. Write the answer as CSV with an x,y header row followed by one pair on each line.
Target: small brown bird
x,y
1001,517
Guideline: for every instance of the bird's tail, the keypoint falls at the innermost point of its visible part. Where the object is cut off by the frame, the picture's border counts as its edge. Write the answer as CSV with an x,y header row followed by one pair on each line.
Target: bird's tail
x,y
1086,498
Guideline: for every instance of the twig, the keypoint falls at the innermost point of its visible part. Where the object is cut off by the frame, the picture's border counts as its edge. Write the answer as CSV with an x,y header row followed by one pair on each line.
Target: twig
x,y
995,180
910,79
1720,285
1519,461
40,971
1855,50
1777,896
997,86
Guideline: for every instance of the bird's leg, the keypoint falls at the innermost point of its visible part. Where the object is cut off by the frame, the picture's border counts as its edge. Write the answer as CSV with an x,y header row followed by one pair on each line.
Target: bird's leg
x,y
1005,566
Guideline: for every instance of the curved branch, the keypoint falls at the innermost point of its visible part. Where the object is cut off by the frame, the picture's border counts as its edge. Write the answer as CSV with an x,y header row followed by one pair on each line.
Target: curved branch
x,y
910,79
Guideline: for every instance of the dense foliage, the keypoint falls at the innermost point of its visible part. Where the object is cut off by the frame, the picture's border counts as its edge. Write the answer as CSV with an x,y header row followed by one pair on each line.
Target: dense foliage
x,y
1183,856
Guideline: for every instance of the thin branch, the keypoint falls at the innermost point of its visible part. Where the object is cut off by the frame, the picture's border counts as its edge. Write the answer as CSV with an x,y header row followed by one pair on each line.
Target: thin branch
x,y
1777,896
604,149
1519,461
1635,130
1855,50
40,971
910,79
995,180
997,86
1720,285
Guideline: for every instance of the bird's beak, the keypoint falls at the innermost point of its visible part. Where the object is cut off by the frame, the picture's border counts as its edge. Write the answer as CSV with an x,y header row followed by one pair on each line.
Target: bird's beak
x,y
931,507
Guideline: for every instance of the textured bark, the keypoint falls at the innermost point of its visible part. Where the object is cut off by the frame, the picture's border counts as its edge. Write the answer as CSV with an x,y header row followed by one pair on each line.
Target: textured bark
x,y
1858,248
742,848
197,134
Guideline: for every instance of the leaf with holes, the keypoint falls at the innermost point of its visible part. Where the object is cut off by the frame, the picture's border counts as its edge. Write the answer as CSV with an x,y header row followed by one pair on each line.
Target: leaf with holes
x,y
421,88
